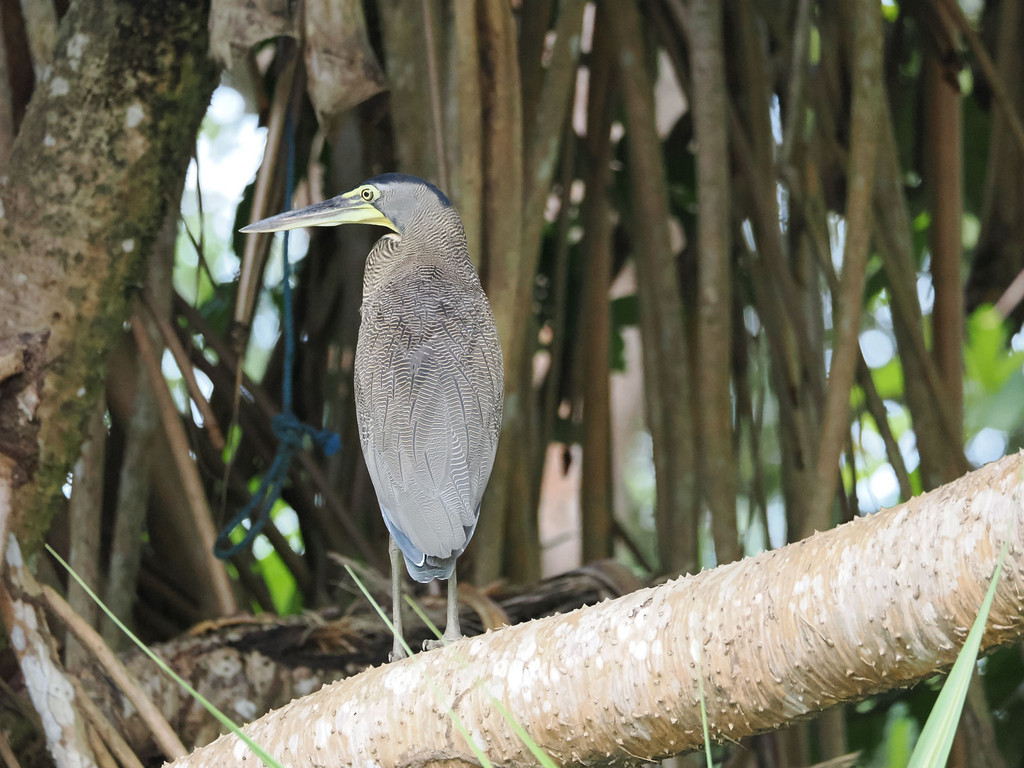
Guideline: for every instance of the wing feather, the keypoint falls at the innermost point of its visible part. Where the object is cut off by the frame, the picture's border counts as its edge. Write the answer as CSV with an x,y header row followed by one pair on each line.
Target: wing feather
x,y
428,398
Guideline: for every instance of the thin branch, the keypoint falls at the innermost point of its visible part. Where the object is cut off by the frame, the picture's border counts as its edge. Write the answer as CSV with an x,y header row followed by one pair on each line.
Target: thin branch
x,y
988,69
666,384
866,69
876,407
267,189
177,349
714,272
543,138
198,508
434,81
596,496
943,174
795,90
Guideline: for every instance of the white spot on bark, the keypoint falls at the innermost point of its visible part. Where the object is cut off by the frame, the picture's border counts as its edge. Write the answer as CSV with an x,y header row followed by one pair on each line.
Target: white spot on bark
x,y
49,141
322,732
240,750
225,665
80,392
527,650
128,245
638,649
59,87
928,613
403,678
134,115
26,616
76,47
13,550
515,677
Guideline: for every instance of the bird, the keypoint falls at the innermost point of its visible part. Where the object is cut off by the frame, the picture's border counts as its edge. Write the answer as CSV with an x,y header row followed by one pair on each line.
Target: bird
x,y
429,376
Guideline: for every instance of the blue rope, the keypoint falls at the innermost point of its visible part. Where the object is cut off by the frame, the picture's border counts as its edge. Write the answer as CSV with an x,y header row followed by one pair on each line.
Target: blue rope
x,y
291,433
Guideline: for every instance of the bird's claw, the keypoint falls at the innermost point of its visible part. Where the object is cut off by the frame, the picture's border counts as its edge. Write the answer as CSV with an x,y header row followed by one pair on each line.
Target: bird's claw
x,y
430,645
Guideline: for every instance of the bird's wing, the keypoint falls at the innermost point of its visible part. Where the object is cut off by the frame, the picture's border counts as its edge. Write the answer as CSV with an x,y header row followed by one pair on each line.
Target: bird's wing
x,y
428,398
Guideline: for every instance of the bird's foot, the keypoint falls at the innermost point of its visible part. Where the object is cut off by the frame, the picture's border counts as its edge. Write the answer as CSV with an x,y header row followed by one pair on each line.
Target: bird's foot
x,y
445,639
397,654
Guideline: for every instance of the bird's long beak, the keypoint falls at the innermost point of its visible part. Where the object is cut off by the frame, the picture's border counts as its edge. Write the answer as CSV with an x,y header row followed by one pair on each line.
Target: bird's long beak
x,y
348,208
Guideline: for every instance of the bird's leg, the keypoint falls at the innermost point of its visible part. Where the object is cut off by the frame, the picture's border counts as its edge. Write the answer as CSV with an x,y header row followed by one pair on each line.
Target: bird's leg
x,y
397,651
452,630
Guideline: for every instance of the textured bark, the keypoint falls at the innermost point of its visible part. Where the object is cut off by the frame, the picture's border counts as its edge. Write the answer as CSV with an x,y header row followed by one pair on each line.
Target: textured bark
x,y
878,603
943,173
252,664
83,195
866,77
85,508
667,388
415,133
714,276
47,684
508,521
596,483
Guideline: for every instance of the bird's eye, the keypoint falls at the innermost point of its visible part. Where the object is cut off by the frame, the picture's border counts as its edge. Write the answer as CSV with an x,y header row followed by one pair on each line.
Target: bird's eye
x,y
367,194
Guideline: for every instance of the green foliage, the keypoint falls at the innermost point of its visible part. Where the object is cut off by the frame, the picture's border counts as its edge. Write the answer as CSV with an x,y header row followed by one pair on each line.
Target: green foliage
x,y
994,382
625,313
901,732
281,584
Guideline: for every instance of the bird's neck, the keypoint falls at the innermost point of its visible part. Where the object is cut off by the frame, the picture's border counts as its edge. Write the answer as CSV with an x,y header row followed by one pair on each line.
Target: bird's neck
x,y
399,254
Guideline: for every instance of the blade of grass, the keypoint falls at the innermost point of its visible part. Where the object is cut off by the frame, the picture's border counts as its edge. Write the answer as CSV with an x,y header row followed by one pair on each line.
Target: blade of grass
x,y
704,714
541,756
456,720
933,746
223,719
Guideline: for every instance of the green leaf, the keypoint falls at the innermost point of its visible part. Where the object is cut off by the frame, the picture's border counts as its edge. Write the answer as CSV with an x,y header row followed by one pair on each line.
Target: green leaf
x,y
933,747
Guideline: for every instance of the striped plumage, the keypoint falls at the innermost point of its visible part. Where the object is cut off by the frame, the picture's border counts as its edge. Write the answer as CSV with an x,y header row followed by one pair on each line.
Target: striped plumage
x,y
428,379
428,375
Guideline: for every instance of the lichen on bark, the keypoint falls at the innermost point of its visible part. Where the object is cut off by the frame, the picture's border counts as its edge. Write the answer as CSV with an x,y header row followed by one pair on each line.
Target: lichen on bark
x,y
98,164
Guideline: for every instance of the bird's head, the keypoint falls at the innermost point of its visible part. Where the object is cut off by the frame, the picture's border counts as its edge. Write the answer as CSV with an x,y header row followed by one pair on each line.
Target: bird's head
x,y
392,200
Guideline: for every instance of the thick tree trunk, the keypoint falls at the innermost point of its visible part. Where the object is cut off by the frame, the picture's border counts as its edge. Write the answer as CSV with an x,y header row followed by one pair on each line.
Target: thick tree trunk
x,y
878,603
98,162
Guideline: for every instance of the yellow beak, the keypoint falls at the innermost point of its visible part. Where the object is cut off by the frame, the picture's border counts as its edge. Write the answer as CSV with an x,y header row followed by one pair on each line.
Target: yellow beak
x,y
348,208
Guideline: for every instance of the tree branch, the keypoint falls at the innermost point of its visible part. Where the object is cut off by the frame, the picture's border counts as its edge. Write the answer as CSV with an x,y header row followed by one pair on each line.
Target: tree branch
x,y
866,77
878,603
714,273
